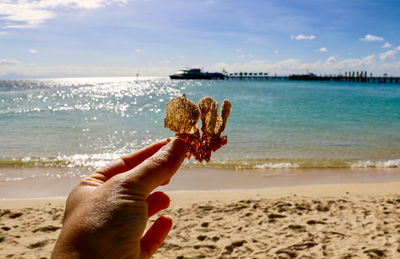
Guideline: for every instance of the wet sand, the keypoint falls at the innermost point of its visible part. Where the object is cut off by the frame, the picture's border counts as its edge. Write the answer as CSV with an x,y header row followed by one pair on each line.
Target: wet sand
x,y
58,182
342,220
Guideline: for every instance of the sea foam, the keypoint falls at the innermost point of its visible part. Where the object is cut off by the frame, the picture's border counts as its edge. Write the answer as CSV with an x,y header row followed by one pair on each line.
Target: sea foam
x,y
395,163
283,165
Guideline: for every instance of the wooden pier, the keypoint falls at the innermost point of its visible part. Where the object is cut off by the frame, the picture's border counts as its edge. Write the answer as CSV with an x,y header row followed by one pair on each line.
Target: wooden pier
x,y
347,77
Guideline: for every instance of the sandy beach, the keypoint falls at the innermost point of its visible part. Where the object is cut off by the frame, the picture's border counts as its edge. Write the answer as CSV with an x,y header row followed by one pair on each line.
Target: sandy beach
x,y
289,111
340,220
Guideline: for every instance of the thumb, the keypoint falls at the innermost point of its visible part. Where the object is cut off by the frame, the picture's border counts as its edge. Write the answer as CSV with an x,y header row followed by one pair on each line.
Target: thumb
x,y
158,168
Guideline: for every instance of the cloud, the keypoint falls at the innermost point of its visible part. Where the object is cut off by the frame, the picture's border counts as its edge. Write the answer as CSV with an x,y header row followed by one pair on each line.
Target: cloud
x,y
9,62
323,49
368,60
165,61
138,50
370,37
303,37
398,48
390,54
386,45
276,51
331,60
333,65
33,51
283,67
30,14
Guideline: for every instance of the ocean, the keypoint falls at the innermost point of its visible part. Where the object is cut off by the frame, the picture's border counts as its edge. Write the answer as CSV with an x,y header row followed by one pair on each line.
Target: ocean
x,y
87,122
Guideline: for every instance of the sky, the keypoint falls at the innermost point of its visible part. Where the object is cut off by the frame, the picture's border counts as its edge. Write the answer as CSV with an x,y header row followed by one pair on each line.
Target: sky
x,y
71,38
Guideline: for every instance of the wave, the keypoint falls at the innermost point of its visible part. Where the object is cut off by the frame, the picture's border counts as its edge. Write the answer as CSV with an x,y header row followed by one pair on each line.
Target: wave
x,y
394,163
98,160
296,163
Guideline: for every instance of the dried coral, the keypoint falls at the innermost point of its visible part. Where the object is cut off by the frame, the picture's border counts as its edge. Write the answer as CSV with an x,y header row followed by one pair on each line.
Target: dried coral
x,y
181,117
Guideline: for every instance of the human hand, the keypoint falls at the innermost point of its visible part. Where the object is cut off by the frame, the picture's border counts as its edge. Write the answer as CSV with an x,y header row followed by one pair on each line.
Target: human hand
x,y
107,212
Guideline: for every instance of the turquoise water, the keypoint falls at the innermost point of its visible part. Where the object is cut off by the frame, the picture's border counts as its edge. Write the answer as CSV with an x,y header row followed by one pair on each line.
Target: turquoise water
x,y
274,124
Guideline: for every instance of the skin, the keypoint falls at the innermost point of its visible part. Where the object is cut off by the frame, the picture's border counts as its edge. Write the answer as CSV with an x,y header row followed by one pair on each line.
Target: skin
x,y
107,212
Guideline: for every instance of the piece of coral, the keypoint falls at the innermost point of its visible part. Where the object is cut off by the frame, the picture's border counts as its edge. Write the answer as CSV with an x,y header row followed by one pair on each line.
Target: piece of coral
x,y
181,117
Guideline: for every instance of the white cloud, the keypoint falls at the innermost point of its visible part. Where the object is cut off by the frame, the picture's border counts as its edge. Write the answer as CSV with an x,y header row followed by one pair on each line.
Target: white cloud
x,y
331,60
9,62
323,49
165,61
398,48
276,51
251,55
302,37
33,51
369,59
386,45
333,65
30,14
390,54
138,50
284,67
370,37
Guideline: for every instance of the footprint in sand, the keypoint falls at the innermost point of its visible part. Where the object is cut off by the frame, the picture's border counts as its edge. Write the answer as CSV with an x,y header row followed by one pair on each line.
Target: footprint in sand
x,y
46,229
204,246
4,212
229,249
273,217
5,228
13,215
314,222
201,238
298,228
215,239
39,244
375,253
204,224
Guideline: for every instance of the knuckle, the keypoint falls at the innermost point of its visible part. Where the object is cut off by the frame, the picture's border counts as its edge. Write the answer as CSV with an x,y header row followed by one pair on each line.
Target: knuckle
x,y
158,160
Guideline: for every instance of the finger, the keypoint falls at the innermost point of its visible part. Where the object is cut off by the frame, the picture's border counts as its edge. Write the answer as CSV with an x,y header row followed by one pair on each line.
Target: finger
x,y
157,201
155,236
127,162
157,169
166,182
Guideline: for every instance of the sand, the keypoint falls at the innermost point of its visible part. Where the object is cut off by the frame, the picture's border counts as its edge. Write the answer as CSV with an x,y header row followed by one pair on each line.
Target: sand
x,y
39,182
346,220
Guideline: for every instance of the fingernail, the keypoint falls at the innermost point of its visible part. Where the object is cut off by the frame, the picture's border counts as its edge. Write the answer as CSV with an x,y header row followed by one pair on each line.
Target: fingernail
x,y
176,145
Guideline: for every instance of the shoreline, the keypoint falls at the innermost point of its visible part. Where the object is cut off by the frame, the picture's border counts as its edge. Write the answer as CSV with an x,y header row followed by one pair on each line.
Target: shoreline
x,y
187,197
56,182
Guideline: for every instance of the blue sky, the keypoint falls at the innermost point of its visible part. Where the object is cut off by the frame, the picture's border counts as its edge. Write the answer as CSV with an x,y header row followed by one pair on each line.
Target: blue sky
x,y
157,37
